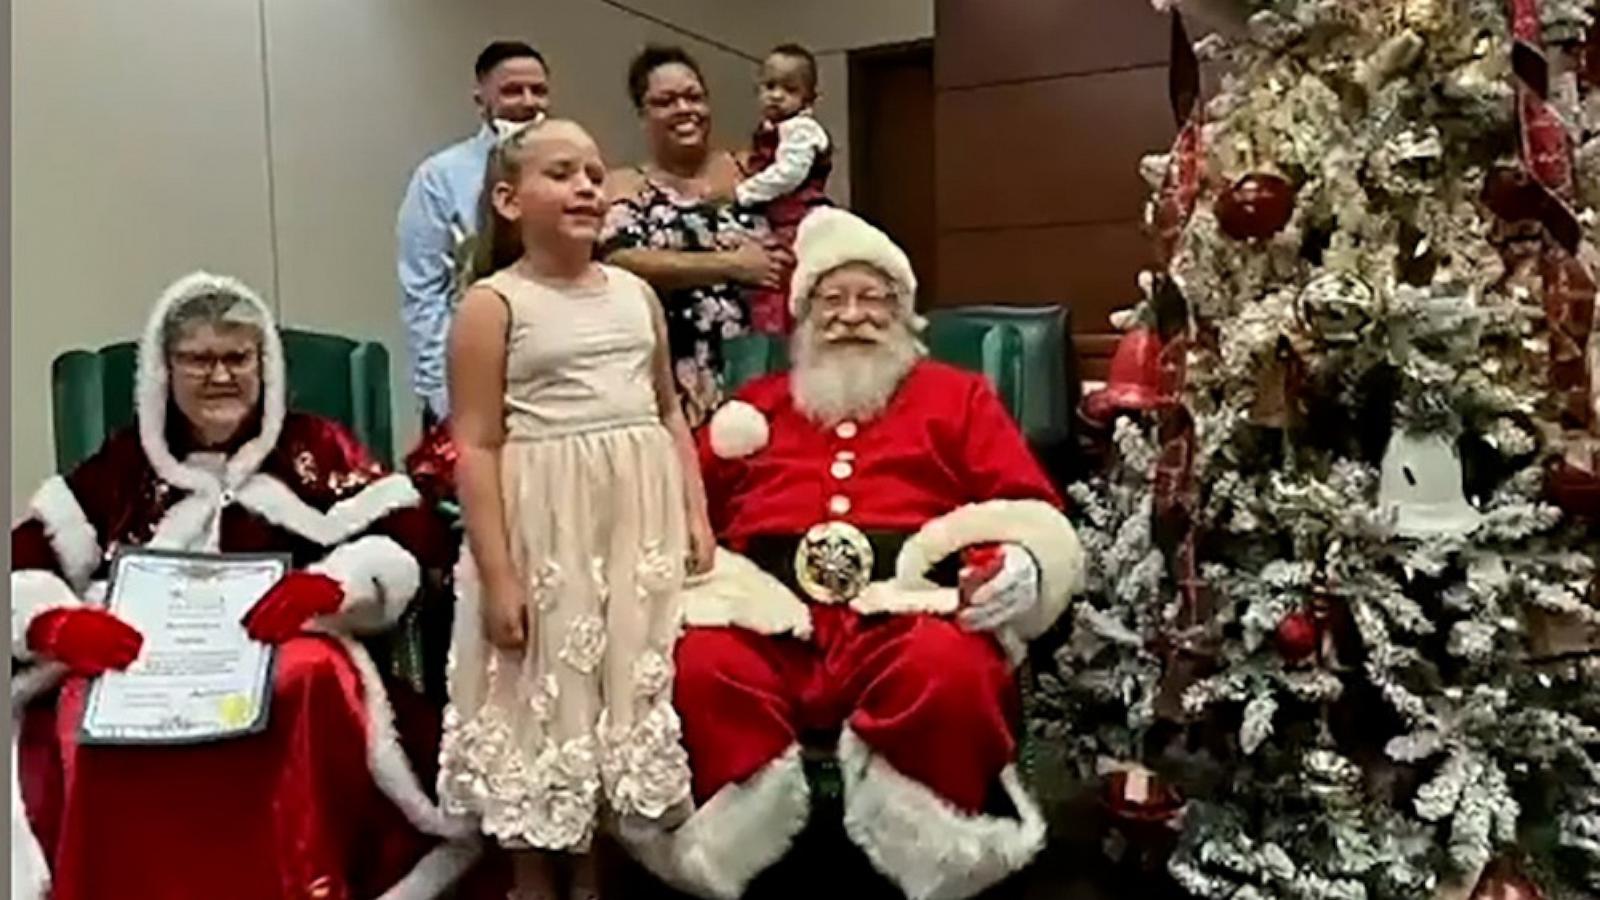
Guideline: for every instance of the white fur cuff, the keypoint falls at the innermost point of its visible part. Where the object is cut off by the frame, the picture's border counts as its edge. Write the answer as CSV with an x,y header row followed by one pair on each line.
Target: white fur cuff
x,y
1034,524
33,593
738,430
742,829
741,594
73,539
932,850
379,578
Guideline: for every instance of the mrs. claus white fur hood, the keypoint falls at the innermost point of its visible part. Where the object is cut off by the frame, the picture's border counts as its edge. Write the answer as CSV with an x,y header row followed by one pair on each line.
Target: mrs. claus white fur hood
x,y
154,386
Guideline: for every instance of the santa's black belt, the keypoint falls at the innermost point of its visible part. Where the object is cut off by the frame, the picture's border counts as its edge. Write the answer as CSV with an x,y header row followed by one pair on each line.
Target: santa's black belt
x,y
835,561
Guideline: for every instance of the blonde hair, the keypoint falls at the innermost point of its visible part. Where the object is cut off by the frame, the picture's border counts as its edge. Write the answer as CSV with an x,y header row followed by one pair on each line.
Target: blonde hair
x,y
499,241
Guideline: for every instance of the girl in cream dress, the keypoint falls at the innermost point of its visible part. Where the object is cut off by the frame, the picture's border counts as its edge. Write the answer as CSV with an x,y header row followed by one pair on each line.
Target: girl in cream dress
x,y
583,508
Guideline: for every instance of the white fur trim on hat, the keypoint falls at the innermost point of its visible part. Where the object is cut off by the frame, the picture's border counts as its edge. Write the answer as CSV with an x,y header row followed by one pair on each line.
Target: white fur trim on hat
x,y
738,430
830,237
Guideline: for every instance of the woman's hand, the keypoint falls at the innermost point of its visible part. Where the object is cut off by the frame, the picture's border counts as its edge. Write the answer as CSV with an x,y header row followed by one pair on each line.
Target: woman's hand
x,y
505,615
702,545
757,264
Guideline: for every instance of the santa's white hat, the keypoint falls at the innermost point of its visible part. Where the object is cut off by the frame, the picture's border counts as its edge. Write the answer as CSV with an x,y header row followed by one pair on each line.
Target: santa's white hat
x,y
830,237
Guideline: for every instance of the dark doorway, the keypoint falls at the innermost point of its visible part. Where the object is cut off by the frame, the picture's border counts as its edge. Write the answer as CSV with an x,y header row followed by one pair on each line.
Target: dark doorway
x,y
891,150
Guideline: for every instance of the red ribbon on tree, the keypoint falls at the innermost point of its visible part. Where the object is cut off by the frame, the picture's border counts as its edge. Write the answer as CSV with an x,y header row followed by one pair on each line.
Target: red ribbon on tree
x,y
1569,289
1569,300
1175,491
1181,187
1545,148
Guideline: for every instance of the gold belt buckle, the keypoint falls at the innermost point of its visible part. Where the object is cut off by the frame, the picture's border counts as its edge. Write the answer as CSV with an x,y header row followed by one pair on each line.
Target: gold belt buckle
x,y
833,563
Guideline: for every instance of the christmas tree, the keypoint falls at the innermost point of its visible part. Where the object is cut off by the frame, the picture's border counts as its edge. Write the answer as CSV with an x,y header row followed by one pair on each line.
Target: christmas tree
x,y
1338,634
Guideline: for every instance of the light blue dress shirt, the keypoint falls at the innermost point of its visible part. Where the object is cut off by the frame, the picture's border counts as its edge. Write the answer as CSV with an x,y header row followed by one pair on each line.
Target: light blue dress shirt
x,y
440,208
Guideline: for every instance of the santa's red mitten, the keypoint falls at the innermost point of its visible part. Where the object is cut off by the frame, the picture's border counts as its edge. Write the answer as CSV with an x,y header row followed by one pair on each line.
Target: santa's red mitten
x,y
86,639
290,604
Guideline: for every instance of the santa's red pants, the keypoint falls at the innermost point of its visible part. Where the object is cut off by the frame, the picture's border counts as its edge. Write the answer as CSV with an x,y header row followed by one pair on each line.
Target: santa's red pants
x,y
936,701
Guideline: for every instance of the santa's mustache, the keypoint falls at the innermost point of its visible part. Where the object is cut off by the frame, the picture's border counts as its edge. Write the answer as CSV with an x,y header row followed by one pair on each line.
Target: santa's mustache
x,y
861,332
836,379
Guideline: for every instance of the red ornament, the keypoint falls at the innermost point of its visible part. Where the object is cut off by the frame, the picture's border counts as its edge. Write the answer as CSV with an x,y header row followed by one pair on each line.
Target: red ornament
x,y
1255,207
1133,383
1574,490
1502,881
1297,636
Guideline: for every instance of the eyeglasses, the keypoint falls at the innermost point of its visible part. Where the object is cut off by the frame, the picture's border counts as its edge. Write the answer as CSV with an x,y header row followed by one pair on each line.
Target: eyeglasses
x,y
837,300
202,365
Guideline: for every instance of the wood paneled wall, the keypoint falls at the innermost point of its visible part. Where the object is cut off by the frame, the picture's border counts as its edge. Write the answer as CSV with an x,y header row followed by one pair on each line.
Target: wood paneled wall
x,y
1043,110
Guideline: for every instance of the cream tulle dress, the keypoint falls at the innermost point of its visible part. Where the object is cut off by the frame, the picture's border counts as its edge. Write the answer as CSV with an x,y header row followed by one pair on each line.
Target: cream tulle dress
x,y
535,739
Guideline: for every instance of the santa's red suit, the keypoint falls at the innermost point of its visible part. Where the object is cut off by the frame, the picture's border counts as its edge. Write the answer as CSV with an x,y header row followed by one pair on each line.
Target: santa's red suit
x,y
924,708
324,803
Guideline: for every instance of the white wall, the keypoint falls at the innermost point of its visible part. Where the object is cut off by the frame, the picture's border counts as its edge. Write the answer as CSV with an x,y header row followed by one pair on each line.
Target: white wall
x,y
139,153
829,28
272,139
349,124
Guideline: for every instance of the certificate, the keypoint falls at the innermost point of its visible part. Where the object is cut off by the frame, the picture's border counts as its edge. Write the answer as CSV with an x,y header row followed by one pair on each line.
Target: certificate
x,y
199,676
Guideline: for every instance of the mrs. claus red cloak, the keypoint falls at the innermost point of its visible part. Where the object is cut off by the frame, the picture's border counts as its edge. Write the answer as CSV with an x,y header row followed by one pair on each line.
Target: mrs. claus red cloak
x,y
325,803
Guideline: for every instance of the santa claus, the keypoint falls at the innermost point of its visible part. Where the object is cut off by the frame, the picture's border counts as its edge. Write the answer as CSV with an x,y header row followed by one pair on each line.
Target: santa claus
x,y
889,545
322,804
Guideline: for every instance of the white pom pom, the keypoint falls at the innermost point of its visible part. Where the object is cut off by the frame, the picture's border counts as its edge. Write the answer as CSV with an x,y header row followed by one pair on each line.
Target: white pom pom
x,y
738,430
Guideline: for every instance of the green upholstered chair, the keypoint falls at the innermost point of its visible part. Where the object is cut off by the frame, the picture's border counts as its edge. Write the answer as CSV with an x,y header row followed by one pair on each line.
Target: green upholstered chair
x,y
991,348
332,376
1045,393
750,356
342,379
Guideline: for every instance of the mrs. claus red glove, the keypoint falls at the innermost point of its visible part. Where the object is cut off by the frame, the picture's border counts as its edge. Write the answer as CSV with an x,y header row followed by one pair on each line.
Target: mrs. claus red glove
x,y
86,639
290,604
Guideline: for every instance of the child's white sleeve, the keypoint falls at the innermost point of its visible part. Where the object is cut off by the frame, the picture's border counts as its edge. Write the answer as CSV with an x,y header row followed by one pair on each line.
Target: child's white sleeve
x,y
800,139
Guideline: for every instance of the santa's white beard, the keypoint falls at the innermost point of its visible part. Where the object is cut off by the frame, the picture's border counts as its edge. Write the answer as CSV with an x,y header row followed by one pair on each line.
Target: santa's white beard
x,y
833,382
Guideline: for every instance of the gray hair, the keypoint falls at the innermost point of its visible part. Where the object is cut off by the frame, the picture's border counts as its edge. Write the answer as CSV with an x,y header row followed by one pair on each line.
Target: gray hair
x,y
215,309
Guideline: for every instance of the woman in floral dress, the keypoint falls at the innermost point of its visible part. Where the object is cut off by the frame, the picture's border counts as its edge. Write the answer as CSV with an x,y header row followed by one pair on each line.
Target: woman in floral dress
x,y
667,224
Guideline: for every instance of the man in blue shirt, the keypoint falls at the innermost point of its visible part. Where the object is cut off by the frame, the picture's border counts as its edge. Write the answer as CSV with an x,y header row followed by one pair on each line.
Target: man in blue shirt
x,y
441,209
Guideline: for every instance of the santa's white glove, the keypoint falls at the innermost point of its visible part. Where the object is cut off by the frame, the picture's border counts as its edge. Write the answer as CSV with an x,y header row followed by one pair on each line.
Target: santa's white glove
x,y
1013,591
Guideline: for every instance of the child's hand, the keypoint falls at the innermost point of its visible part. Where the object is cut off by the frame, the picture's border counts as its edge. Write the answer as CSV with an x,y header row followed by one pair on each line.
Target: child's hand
x,y
702,546
505,616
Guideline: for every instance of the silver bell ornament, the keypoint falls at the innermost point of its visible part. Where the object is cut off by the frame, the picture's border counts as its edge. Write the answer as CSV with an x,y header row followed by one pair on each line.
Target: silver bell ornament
x,y
1336,307
1422,483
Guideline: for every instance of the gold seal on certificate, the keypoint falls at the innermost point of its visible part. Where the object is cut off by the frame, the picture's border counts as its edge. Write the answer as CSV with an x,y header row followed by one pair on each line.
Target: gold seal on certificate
x,y
199,676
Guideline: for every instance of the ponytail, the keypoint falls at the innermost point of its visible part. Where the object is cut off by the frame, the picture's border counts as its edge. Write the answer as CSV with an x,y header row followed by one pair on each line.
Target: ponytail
x,y
498,243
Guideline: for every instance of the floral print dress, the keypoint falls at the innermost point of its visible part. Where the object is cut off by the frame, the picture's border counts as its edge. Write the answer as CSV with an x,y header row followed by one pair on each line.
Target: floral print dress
x,y
699,319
